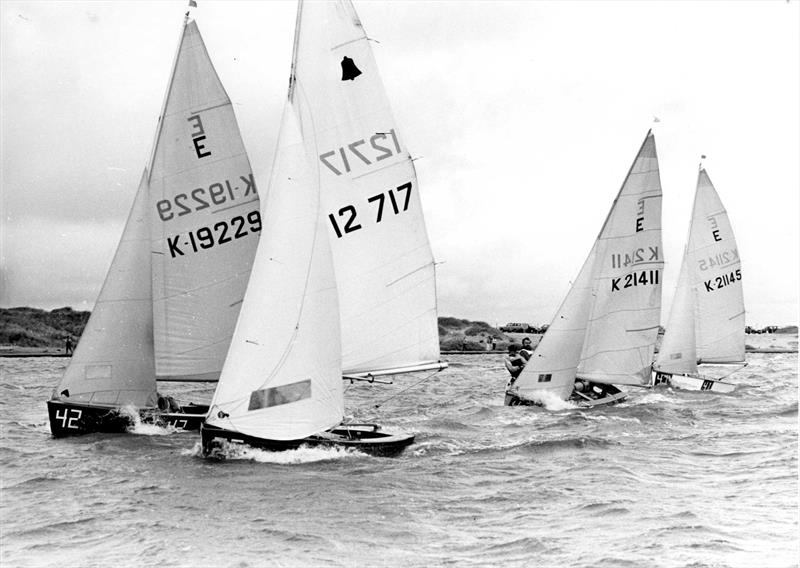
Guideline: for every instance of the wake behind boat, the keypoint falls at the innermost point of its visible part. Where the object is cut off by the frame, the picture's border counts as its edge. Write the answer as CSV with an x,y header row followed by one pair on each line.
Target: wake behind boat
x,y
706,322
605,330
171,297
343,284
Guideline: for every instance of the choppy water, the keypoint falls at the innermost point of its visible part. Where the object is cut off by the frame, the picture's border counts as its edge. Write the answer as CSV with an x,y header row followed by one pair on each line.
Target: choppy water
x,y
669,478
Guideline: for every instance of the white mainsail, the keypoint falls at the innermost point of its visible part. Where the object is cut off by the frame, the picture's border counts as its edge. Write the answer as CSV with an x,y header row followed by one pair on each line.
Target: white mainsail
x,y
282,377
113,362
605,330
370,195
706,322
629,262
205,219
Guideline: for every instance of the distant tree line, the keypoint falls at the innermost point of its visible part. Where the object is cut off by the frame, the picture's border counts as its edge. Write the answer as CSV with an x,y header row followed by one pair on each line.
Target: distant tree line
x,y
32,327
768,329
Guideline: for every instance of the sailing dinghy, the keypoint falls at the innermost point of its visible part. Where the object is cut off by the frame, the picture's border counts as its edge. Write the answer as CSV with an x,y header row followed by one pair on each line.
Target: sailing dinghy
x,y
171,297
343,201
605,330
706,322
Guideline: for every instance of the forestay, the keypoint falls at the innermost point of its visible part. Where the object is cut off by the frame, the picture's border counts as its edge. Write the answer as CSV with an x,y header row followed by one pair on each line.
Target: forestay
x,y
709,302
282,377
626,310
370,196
205,219
113,362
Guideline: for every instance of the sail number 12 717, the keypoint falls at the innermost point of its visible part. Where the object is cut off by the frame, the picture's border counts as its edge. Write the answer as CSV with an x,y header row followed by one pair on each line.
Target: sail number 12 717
x,y
344,220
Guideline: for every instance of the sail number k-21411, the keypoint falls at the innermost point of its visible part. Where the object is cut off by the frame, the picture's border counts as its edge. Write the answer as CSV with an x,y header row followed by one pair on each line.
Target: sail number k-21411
x,y
637,256
643,278
398,199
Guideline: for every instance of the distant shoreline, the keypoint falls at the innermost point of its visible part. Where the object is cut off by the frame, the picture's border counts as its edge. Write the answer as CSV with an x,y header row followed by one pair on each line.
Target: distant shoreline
x,y
748,349
45,352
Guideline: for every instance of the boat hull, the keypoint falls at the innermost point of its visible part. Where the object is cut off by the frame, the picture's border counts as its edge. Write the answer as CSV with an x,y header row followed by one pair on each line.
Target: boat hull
x,y
611,395
691,382
76,419
367,438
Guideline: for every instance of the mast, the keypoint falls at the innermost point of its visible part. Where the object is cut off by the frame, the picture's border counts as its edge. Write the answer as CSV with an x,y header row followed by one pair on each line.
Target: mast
x,y
160,123
295,43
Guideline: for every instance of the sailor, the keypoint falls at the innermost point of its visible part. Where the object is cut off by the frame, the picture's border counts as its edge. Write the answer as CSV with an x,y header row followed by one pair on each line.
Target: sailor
x,y
526,350
514,362
168,404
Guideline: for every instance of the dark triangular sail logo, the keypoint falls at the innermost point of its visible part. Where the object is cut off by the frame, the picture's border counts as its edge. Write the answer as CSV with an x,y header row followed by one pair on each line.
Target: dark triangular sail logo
x,y
349,69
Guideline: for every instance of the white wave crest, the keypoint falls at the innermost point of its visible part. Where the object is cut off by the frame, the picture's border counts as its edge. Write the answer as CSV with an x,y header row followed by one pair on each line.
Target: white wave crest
x,y
551,401
653,397
303,454
141,428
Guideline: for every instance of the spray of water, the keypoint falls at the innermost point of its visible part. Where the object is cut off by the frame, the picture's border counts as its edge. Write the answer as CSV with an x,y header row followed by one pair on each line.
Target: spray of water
x,y
303,454
552,401
140,428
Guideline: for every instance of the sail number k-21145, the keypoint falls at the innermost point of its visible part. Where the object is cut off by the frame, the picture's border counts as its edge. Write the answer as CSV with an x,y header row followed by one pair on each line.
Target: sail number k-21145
x,y
393,201
643,278
722,281
720,259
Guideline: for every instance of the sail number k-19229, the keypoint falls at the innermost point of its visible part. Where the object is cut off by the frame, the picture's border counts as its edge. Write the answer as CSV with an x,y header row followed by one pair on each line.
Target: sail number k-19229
x,y
344,221
204,197
219,234
643,278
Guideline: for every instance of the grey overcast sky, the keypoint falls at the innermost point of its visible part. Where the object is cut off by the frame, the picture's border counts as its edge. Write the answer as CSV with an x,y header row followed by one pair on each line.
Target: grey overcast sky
x,y
524,117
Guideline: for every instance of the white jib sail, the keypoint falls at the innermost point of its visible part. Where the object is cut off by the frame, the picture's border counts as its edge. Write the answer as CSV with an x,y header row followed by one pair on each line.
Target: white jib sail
x,y
113,362
282,376
717,278
205,219
678,353
628,271
550,372
370,195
